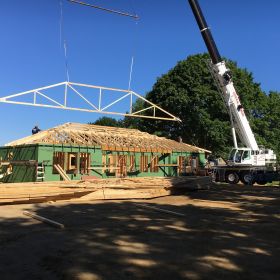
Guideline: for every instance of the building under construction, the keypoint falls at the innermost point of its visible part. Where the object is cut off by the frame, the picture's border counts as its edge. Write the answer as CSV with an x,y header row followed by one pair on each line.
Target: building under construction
x,y
75,151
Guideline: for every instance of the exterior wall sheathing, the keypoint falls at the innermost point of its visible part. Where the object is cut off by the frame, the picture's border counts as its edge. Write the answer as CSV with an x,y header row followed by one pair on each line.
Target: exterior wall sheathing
x,y
19,172
45,154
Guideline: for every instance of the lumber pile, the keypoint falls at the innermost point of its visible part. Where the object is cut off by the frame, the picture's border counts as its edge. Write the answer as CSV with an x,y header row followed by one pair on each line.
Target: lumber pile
x,y
36,192
132,188
96,189
146,181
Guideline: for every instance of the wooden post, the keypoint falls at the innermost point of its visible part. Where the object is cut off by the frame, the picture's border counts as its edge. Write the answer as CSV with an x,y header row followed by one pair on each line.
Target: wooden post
x,y
160,210
65,161
78,163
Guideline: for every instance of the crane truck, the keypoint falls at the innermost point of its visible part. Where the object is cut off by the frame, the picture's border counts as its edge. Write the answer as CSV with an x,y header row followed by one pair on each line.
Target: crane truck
x,y
250,163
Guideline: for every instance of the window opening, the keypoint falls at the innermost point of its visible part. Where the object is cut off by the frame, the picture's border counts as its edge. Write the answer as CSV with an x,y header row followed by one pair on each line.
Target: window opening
x,y
58,158
84,163
72,163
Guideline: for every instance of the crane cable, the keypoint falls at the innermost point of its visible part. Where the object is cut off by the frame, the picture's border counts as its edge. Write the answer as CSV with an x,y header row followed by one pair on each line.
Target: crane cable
x,y
133,45
130,72
63,40
62,35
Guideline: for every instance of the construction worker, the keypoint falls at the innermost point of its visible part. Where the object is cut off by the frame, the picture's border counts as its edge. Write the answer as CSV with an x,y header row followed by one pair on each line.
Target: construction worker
x,y
35,129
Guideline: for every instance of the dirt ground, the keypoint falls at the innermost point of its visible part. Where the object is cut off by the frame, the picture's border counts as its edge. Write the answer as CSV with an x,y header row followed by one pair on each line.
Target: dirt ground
x,y
225,233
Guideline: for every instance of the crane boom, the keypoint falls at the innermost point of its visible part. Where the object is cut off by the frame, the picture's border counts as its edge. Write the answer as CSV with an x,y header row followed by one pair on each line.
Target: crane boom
x,y
223,75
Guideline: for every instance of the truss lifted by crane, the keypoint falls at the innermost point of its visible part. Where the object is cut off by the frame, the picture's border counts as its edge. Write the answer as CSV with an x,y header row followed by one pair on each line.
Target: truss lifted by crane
x,y
93,98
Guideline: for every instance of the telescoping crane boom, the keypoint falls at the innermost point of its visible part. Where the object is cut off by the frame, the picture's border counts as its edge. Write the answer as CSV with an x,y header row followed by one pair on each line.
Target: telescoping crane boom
x,y
249,163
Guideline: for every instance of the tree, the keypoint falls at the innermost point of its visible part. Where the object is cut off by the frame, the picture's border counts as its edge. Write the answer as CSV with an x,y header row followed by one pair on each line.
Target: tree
x,y
106,121
272,120
188,91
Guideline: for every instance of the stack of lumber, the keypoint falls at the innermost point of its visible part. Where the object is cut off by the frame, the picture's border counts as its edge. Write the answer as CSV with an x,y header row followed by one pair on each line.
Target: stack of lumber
x,y
21,193
115,188
128,188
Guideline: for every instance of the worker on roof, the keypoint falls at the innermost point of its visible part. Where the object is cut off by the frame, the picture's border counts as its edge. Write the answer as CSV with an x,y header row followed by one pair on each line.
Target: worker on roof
x,y
35,129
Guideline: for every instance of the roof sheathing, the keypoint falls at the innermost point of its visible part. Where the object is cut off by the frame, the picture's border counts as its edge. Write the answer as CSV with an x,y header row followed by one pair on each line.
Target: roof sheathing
x,y
109,138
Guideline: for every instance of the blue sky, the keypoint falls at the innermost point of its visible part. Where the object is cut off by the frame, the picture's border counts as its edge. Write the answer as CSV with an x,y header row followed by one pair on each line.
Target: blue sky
x,y
100,46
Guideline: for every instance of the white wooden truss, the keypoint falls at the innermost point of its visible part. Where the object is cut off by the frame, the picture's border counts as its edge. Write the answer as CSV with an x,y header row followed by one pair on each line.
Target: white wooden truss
x,y
95,102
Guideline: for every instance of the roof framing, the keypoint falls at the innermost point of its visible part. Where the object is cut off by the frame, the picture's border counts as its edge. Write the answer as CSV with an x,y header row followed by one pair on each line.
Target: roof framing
x,y
92,106
108,138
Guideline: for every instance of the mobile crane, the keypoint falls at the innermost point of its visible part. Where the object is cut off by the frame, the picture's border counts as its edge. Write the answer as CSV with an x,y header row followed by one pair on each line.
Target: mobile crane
x,y
250,163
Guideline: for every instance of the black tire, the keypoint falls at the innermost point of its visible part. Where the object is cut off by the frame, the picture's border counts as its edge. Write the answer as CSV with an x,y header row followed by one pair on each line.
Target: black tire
x,y
261,179
247,178
262,182
232,178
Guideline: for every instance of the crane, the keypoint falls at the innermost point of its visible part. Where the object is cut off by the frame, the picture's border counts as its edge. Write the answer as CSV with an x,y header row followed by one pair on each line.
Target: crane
x,y
250,163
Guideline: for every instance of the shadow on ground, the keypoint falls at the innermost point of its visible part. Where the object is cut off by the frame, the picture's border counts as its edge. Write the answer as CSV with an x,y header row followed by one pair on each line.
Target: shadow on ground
x,y
119,240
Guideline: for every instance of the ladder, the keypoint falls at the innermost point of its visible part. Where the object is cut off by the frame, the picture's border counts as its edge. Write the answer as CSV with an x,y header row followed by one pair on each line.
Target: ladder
x,y
40,172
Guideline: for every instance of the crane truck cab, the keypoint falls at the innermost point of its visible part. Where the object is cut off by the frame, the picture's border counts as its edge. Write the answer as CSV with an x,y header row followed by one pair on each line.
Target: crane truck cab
x,y
247,156
240,156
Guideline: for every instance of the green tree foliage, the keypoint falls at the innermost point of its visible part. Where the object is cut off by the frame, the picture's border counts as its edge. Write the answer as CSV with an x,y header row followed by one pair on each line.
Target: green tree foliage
x,y
189,92
106,121
272,121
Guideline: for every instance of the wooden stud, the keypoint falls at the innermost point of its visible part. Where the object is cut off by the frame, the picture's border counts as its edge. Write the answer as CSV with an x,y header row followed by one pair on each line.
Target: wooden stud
x,y
43,219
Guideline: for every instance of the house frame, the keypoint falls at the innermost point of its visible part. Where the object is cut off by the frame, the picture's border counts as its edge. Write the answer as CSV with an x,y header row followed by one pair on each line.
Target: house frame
x,y
87,151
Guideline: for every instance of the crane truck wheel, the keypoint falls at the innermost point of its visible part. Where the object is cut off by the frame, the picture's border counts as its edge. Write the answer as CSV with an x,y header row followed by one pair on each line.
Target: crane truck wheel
x,y
247,178
232,178
262,182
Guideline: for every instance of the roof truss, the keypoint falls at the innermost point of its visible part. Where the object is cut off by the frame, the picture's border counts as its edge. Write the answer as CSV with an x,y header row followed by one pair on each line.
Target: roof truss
x,y
108,138
41,98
